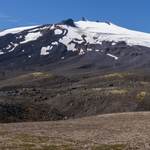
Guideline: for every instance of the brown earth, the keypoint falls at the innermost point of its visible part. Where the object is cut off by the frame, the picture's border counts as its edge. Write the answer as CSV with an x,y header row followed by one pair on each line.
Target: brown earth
x,y
46,96
127,131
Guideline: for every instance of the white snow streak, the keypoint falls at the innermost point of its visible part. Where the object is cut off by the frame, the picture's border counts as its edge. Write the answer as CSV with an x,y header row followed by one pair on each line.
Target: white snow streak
x,y
64,32
54,43
89,49
96,50
8,47
15,45
116,58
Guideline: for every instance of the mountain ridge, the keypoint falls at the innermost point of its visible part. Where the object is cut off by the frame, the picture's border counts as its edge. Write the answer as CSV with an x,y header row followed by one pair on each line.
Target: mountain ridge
x,y
60,41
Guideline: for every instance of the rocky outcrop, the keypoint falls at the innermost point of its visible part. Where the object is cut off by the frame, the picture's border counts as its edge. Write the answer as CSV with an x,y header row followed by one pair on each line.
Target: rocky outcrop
x,y
68,22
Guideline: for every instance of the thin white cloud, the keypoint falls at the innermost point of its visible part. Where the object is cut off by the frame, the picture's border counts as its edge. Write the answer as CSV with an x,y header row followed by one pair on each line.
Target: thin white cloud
x,y
3,16
13,20
20,21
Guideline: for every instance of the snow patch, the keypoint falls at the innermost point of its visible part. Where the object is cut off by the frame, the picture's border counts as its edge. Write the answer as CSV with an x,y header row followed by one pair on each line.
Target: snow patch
x,y
1,53
31,37
113,43
89,49
15,44
71,47
81,52
20,36
58,31
116,58
54,43
53,27
44,50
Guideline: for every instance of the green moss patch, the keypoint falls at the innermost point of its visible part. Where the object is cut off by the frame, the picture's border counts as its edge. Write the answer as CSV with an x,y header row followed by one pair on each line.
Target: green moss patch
x,y
110,147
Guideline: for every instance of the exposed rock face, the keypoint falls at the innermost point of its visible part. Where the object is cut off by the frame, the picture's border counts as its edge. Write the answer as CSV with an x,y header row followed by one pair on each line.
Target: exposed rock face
x,y
107,22
68,22
83,19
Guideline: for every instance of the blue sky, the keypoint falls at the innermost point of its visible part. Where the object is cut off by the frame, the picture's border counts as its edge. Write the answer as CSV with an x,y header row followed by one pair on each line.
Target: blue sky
x,y
131,14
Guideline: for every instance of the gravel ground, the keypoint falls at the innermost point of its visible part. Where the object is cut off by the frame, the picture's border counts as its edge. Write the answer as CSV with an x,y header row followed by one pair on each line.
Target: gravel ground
x,y
129,129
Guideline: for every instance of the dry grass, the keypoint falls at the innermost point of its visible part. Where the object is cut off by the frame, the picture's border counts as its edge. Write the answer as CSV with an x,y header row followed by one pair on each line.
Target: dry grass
x,y
104,132
145,83
36,76
120,75
140,96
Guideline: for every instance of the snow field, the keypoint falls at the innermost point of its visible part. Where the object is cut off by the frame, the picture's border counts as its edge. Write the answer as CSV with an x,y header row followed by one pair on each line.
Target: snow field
x,y
44,50
15,30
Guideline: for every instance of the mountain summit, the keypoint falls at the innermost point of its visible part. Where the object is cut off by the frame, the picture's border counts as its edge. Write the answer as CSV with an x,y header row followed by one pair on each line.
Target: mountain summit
x,y
68,22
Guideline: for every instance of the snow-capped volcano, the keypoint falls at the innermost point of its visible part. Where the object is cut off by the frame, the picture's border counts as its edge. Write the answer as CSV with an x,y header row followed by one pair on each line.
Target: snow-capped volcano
x,y
68,38
110,32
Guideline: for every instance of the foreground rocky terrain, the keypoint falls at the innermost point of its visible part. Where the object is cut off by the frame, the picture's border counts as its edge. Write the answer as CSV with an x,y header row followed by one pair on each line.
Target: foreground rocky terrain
x,y
119,131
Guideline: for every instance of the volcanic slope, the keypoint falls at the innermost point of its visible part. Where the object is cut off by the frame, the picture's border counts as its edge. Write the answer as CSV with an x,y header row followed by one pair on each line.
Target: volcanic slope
x,y
40,45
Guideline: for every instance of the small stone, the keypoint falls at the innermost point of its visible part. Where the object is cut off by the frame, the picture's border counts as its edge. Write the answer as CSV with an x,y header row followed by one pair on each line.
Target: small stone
x,y
110,84
33,89
34,100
